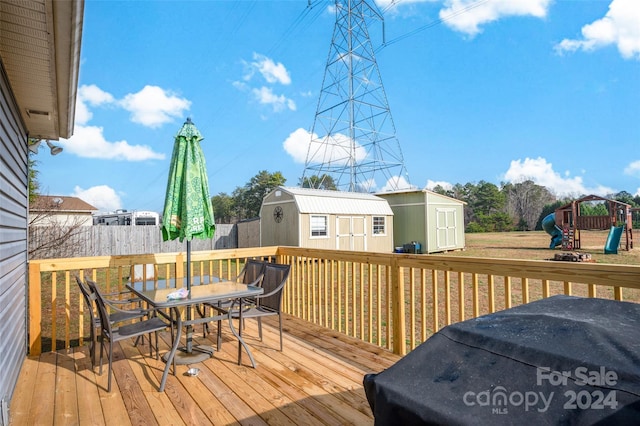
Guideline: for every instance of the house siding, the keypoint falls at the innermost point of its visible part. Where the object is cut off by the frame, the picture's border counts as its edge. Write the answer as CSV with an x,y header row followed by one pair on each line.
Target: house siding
x,y
13,239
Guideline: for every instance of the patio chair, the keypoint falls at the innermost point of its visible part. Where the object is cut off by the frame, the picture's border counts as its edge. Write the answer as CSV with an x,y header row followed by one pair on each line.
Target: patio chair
x,y
251,274
136,329
117,314
270,302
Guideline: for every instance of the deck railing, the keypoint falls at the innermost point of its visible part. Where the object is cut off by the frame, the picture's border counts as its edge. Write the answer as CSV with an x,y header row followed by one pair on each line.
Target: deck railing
x,y
395,301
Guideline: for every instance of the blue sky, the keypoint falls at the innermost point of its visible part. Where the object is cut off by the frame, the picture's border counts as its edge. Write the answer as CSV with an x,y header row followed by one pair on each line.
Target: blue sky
x,y
493,90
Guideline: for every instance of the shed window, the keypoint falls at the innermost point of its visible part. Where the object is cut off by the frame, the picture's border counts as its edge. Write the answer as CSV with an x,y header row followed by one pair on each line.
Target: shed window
x,y
379,225
319,226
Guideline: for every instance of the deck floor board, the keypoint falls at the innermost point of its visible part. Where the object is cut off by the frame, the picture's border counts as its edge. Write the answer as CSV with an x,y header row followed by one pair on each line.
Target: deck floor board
x,y
315,380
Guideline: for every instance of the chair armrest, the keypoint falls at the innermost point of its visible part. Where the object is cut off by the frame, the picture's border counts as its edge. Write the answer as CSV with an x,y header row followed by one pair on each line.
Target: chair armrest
x,y
140,311
124,301
131,299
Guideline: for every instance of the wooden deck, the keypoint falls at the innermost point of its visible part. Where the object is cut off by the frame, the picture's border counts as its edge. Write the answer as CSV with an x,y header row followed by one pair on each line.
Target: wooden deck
x,y
317,379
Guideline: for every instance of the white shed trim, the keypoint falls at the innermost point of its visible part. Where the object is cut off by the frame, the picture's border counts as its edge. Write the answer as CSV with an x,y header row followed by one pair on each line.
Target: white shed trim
x,y
337,202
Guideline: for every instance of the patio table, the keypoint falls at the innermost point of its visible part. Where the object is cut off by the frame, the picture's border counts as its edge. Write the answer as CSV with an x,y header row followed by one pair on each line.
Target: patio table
x,y
199,294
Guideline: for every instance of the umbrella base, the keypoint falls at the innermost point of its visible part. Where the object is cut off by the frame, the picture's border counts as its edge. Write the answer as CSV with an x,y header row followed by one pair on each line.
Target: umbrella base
x,y
198,354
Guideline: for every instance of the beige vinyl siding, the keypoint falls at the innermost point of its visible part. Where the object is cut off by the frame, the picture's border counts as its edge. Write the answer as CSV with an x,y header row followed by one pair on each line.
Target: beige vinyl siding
x,y
351,214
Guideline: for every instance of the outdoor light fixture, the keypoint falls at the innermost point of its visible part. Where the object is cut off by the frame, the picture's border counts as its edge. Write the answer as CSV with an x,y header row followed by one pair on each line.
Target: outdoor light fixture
x,y
33,147
55,150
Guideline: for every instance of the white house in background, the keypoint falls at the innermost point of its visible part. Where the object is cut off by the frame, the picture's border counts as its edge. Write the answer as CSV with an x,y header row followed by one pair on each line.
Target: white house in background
x,y
317,218
49,210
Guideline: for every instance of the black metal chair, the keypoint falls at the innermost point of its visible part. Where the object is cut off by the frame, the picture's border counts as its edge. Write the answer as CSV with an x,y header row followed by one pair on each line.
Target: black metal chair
x,y
117,314
270,302
113,335
251,274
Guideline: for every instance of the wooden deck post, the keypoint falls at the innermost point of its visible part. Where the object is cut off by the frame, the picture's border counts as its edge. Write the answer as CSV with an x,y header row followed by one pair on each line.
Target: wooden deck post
x,y
180,259
35,309
397,303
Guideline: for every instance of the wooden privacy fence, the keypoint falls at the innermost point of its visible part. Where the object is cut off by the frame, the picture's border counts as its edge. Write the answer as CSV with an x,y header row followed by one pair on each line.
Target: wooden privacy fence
x,y
85,241
393,300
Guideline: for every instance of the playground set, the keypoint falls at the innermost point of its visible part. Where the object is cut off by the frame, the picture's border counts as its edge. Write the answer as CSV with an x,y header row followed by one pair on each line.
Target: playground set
x,y
565,224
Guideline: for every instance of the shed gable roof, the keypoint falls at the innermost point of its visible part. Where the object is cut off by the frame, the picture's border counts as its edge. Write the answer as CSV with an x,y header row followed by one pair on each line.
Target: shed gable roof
x,y
323,201
423,191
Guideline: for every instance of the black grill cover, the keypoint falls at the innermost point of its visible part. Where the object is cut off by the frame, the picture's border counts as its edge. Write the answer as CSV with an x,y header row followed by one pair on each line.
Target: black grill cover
x,y
562,360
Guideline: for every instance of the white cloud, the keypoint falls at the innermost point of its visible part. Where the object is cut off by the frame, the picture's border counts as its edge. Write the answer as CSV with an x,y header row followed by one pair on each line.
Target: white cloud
x,y
83,115
243,87
467,16
91,95
542,173
272,72
433,183
297,145
94,95
367,185
153,106
620,26
89,142
633,169
330,150
265,96
102,197
396,183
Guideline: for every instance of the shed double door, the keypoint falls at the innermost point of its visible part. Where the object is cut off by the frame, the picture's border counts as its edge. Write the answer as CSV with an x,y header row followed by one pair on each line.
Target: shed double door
x,y
351,233
446,229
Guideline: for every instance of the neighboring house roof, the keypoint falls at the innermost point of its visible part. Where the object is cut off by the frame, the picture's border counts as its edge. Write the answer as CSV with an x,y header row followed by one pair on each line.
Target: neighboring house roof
x,y
337,202
40,50
62,204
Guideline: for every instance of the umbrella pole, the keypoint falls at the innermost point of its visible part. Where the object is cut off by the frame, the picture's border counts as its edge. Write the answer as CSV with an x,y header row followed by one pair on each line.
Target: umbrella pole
x,y
189,327
186,354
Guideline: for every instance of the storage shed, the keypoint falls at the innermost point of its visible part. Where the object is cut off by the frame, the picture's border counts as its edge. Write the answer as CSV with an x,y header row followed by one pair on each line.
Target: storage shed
x,y
317,218
434,221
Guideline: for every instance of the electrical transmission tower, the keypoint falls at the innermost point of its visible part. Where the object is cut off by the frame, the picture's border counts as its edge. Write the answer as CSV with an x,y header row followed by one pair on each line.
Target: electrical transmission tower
x,y
353,139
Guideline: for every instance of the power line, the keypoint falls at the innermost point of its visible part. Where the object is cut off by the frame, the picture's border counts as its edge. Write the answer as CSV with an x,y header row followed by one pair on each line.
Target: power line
x,y
433,23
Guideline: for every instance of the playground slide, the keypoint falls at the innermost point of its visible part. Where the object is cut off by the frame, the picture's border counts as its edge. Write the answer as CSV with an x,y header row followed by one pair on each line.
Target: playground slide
x,y
550,227
613,240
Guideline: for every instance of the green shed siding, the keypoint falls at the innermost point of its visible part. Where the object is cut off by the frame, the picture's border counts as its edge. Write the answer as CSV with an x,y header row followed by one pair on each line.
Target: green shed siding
x,y
433,220
409,224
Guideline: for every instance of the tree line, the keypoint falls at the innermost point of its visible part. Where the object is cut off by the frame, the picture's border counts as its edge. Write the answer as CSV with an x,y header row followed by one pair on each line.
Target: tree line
x,y
245,201
518,206
489,207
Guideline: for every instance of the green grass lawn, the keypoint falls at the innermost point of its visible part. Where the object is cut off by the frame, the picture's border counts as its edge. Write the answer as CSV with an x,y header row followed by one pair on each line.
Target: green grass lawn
x,y
534,245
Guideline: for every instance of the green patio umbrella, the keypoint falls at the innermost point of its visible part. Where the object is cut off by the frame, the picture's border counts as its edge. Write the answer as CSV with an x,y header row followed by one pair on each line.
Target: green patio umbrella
x,y
188,212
